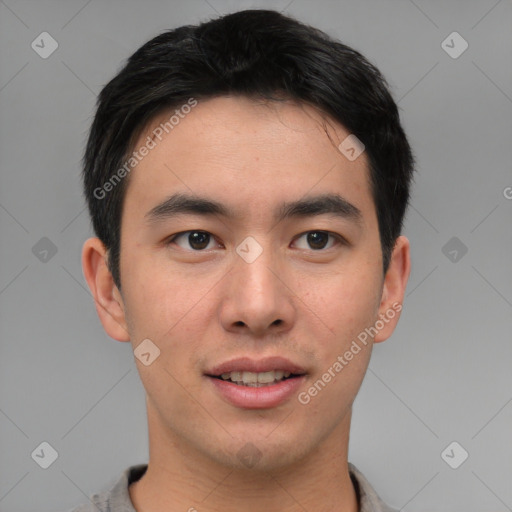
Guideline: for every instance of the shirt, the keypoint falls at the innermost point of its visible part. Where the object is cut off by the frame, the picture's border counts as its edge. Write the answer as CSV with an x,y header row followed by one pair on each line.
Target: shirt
x,y
118,499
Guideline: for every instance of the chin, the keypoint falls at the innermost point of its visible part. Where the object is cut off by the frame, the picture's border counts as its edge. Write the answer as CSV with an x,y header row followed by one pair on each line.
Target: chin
x,y
261,455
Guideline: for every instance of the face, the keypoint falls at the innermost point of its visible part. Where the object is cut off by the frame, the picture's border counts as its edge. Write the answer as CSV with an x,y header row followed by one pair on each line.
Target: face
x,y
250,257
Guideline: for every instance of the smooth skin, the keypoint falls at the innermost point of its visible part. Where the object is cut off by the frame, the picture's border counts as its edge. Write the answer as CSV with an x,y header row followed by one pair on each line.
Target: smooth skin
x,y
203,306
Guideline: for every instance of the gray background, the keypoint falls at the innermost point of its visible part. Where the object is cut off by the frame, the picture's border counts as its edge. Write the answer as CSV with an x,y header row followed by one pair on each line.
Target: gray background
x,y
444,376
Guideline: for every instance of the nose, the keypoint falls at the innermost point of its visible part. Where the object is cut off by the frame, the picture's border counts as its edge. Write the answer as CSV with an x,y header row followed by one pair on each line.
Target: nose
x,y
257,299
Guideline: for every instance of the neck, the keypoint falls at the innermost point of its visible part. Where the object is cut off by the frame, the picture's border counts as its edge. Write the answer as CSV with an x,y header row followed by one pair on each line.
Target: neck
x,y
179,479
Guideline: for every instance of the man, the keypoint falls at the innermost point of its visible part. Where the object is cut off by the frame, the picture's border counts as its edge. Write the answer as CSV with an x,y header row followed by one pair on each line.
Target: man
x,y
247,180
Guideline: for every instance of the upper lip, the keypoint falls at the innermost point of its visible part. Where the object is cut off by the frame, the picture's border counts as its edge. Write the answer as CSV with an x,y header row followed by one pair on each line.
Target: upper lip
x,y
248,364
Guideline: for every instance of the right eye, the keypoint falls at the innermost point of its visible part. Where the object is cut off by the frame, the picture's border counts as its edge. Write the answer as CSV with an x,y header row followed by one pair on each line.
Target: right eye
x,y
196,239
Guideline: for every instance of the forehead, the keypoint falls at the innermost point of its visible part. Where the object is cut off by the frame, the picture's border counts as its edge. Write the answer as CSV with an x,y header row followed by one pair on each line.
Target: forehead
x,y
244,151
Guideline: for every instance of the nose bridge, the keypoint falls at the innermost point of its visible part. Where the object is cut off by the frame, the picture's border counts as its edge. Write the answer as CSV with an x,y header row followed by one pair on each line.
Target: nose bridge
x,y
255,259
256,296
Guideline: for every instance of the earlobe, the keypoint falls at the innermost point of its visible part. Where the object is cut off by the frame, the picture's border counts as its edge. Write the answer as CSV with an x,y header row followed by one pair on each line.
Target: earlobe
x,y
393,291
107,299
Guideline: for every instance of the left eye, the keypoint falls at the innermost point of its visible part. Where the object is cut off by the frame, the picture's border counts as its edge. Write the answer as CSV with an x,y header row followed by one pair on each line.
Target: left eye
x,y
317,240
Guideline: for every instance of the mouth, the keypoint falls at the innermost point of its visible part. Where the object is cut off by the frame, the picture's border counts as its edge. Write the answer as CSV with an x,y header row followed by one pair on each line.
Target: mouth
x,y
257,384
256,379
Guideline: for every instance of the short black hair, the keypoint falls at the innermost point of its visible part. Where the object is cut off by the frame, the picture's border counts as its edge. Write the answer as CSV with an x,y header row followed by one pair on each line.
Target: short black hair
x,y
257,54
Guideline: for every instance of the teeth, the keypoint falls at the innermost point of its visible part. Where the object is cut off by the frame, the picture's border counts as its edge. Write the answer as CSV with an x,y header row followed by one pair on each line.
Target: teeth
x,y
253,379
235,376
278,374
250,377
267,377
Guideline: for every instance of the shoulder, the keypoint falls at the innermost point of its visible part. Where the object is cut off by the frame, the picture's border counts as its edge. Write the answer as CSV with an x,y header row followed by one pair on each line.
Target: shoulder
x,y
116,499
369,500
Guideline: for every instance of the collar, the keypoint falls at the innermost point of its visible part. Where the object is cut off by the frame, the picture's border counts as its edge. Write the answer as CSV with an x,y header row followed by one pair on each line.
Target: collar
x,y
117,499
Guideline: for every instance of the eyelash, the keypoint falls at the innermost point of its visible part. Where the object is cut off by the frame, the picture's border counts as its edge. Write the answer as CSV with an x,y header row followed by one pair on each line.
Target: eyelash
x,y
338,238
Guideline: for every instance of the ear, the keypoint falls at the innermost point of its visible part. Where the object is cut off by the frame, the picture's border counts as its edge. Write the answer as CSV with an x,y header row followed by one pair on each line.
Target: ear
x,y
393,291
107,298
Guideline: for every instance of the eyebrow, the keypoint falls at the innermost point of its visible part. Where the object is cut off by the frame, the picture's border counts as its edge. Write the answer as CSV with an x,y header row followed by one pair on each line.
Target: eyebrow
x,y
180,203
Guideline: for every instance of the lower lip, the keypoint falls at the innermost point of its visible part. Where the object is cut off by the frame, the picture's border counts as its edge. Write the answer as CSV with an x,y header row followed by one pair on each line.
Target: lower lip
x,y
264,397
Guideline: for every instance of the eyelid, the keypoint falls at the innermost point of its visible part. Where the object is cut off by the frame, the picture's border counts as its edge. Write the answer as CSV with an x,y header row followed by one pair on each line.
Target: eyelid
x,y
340,239
172,238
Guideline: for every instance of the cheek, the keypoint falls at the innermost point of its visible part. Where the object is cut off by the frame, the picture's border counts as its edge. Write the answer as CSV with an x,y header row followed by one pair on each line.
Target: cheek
x,y
167,307
345,302
150,308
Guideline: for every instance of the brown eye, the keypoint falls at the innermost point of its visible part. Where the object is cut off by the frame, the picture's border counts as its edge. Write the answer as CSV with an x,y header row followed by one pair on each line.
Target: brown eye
x,y
317,240
197,240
